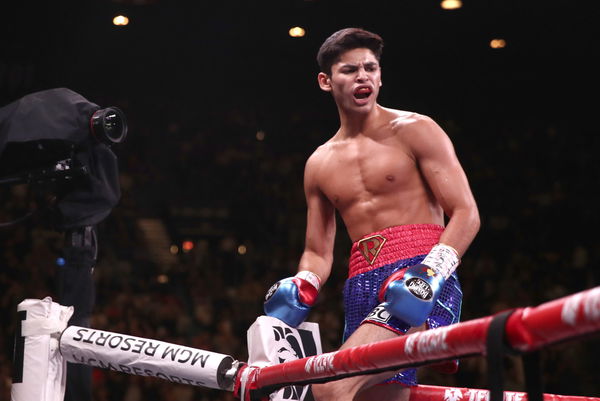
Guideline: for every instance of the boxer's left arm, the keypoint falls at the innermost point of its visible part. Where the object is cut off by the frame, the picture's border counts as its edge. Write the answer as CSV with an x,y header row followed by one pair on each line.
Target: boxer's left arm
x,y
437,161
290,299
411,293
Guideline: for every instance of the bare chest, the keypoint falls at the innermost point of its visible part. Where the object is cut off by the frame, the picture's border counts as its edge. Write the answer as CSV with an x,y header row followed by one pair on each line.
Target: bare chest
x,y
363,171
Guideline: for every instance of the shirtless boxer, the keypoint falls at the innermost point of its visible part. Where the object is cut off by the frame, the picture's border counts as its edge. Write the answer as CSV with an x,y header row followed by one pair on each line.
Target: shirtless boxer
x,y
393,176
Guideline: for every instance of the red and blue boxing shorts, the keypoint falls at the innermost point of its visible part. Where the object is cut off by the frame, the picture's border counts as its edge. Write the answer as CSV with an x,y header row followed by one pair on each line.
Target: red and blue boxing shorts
x,y
373,258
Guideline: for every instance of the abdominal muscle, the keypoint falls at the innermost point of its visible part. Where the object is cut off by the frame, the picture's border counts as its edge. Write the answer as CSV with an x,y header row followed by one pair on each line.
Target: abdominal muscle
x,y
379,212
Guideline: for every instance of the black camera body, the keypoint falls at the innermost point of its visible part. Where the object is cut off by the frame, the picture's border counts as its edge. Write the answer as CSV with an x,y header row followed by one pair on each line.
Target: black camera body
x,y
59,141
58,144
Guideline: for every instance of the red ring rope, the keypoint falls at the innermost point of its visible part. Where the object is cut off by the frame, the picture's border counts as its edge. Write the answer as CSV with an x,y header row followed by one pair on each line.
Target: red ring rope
x,y
527,329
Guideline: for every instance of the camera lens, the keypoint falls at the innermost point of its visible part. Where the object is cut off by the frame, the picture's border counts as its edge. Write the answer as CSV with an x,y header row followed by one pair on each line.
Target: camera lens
x,y
109,125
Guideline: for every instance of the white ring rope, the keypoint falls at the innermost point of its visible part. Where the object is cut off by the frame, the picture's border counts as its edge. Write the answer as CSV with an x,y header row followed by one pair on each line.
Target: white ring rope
x,y
47,347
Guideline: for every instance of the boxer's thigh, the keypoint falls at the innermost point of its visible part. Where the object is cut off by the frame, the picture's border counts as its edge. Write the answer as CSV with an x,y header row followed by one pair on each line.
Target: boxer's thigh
x,y
346,389
387,392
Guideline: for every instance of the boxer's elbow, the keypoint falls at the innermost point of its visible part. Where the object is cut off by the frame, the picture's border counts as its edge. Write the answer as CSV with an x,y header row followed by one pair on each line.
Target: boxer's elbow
x,y
470,221
474,221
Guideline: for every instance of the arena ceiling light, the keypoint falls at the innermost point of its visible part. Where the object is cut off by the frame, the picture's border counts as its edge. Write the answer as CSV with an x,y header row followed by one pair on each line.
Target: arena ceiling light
x,y
120,20
451,4
297,32
498,43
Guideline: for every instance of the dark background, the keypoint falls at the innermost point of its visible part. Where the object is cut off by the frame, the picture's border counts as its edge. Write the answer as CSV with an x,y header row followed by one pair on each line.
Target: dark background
x,y
198,81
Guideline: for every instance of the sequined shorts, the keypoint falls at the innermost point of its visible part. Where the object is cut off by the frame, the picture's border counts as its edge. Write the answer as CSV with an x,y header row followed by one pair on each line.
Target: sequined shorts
x,y
373,258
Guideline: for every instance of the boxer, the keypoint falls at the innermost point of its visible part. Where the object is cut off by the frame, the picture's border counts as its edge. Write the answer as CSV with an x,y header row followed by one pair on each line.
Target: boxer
x,y
394,178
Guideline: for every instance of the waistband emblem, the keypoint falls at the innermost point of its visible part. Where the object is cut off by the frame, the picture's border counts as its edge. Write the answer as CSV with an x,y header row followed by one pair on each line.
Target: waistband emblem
x,y
371,246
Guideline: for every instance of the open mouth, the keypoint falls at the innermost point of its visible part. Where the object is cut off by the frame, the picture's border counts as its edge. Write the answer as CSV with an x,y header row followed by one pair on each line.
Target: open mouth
x,y
362,93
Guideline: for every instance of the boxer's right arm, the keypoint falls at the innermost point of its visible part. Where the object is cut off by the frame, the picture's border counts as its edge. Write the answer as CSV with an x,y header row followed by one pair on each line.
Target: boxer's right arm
x,y
320,225
290,299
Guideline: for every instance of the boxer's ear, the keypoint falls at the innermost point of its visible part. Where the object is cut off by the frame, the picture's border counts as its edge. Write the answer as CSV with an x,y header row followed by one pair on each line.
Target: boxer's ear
x,y
324,81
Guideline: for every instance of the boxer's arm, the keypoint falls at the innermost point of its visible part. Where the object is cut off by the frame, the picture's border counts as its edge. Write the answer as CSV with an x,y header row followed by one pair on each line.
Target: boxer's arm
x,y
320,225
411,293
290,299
439,164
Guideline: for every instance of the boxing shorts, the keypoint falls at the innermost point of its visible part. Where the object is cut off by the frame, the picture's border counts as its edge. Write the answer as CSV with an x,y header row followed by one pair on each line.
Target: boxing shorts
x,y
373,259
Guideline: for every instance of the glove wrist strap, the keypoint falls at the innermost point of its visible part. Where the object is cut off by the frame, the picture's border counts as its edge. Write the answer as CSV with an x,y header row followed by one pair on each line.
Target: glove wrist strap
x,y
310,277
443,259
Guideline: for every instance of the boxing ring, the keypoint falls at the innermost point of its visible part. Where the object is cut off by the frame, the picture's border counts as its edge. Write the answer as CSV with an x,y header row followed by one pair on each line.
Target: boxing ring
x,y
44,344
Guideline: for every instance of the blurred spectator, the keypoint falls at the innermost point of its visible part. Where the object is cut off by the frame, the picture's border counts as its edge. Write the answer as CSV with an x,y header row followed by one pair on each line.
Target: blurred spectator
x,y
244,184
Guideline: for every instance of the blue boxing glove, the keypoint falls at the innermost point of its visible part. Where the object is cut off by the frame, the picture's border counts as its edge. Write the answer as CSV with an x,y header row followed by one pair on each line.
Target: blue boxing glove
x,y
410,294
291,299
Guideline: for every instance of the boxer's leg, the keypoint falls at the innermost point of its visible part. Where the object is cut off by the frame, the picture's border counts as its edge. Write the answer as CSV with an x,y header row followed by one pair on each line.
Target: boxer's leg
x,y
394,392
364,387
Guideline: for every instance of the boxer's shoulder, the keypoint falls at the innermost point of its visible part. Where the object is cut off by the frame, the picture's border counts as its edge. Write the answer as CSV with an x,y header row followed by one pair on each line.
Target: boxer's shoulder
x,y
322,153
418,133
404,122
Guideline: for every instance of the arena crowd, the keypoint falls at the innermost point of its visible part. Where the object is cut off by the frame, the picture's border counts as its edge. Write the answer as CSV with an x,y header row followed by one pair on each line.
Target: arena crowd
x,y
230,181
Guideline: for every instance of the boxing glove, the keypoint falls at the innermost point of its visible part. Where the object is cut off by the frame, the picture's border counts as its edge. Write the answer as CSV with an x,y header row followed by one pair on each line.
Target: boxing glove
x,y
410,294
290,299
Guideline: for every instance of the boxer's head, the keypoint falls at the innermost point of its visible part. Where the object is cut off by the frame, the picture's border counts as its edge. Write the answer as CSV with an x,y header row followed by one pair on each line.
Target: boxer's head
x,y
345,40
350,70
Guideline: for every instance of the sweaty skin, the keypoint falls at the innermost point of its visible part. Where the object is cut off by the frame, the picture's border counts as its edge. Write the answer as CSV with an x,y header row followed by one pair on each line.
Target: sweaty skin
x,y
381,184
382,168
